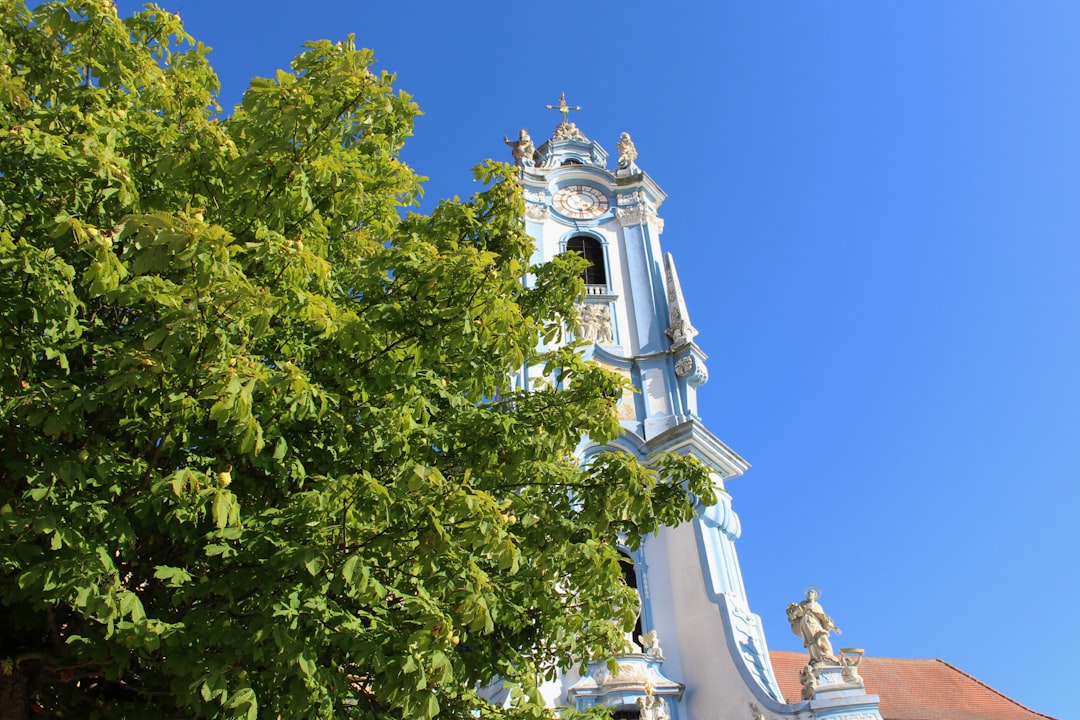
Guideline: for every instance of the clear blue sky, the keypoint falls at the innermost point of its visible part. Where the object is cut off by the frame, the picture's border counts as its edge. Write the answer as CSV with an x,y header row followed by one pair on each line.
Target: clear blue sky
x,y
875,211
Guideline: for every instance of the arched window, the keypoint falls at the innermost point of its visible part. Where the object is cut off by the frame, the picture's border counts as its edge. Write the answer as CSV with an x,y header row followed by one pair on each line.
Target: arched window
x,y
572,161
626,714
630,578
590,249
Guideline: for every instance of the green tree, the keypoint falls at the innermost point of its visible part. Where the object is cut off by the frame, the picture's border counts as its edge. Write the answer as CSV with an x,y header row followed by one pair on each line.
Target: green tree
x,y
261,456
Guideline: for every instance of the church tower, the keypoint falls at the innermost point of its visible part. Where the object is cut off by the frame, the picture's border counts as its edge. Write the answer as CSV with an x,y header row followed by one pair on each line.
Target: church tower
x,y
699,650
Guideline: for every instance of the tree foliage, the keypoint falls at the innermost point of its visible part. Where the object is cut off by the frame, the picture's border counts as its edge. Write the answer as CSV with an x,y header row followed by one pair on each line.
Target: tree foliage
x,y
260,452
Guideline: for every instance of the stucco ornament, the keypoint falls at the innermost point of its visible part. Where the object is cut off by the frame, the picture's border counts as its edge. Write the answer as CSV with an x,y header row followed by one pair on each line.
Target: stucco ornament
x,y
684,365
640,214
568,131
809,621
595,323
650,645
627,151
522,149
536,212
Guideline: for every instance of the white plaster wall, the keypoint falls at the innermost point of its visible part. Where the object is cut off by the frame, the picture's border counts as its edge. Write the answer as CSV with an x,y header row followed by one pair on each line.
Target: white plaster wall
x,y
655,390
715,690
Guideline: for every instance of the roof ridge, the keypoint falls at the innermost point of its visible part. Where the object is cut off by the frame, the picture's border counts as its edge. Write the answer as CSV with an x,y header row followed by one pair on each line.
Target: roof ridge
x,y
992,689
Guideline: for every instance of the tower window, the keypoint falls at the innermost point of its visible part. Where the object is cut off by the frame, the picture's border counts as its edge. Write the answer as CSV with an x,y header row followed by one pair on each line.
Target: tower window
x,y
590,249
630,578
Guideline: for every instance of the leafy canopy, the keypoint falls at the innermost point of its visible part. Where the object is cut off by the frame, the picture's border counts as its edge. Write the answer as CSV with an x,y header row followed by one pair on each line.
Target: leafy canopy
x,y
260,452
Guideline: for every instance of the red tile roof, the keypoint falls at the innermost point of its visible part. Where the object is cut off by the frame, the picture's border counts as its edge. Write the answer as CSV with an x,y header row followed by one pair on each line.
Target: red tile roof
x,y
915,689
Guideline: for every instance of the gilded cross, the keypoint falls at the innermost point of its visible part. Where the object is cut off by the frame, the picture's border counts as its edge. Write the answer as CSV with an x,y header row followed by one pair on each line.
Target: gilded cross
x,y
563,107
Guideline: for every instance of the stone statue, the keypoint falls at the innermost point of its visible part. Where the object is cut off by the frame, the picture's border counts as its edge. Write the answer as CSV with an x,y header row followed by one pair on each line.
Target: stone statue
x,y
568,131
809,621
809,682
650,645
595,323
627,151
522,149
652,707
851,659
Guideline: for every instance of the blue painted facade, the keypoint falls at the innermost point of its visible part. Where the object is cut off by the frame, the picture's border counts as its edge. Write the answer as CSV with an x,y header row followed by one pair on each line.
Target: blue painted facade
x,y
710,659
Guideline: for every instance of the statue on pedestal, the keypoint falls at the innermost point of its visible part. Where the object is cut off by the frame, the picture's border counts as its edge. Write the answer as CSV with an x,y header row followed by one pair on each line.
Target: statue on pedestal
x,y
652,707
522,149
627,151
650,645
809,621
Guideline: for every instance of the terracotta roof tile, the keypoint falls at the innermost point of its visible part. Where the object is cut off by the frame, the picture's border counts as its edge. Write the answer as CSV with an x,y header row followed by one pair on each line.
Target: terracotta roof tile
x,y
915,690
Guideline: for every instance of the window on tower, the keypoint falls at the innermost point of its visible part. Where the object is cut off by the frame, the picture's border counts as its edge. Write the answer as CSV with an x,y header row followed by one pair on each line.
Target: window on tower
x,y
631,579
595,276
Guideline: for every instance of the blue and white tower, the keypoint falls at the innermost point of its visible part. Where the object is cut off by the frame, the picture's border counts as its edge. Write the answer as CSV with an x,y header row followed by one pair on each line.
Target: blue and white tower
x,y
700,651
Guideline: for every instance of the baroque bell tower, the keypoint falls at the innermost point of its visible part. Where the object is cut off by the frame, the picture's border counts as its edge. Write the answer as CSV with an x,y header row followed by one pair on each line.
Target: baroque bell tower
x,y
699,651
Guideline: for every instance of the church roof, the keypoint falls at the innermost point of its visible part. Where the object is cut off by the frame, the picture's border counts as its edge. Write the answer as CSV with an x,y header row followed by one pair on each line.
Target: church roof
x,y
915,689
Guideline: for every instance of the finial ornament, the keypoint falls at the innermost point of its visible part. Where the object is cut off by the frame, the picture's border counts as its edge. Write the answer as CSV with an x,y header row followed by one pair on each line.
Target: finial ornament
x,y
679,328
563,107
809,621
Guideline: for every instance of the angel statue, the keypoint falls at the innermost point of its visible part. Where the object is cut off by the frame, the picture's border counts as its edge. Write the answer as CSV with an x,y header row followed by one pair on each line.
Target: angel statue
x,y
650,645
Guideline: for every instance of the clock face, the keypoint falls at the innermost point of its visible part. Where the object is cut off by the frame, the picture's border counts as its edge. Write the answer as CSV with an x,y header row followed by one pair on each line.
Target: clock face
x,y
580,201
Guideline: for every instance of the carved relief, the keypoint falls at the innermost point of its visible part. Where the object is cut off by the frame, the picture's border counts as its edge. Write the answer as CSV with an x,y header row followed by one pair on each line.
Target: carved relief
x,y
534,196
627,674
828,678
639,214
632,198
684,365
536,212
596,323
568,131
